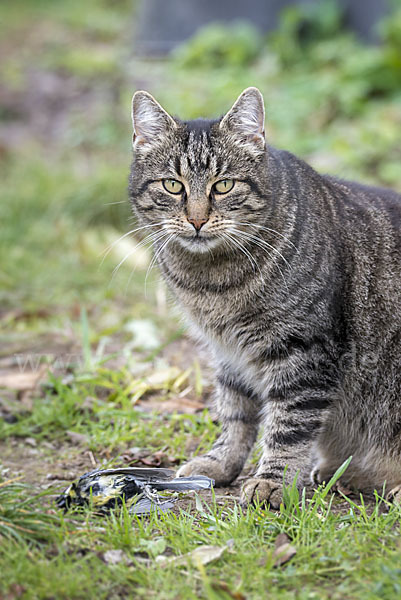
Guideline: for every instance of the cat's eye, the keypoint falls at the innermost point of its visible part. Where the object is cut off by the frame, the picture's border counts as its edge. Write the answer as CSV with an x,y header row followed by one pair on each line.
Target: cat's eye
x,y
172,186
224,186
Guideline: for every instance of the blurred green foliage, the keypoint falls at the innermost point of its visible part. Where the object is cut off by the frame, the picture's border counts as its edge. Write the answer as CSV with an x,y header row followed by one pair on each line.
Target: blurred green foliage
x,y
219,46
330,98
310,38
315,34
302,26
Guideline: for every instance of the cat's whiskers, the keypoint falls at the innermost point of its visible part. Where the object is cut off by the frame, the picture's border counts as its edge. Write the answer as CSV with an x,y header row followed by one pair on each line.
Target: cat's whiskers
x,y
267,249
156,238
109,248
157,254
244,251
258,241
268,229
151,237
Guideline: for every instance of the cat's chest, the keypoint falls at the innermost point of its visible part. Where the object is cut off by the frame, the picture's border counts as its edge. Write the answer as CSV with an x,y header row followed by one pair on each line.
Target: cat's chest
x,y
228,321
224,322
243,361
237,323
232,347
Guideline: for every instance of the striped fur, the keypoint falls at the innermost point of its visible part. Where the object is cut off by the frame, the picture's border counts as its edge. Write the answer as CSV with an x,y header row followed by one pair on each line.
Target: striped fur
x,y
294,285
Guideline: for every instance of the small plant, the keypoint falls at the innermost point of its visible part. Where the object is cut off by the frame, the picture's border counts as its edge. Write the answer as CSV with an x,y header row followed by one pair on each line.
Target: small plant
x,y
22,518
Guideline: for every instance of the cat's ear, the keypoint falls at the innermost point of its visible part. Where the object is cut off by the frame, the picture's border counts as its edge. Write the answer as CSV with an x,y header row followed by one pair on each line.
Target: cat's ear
x,y
246,119
150,121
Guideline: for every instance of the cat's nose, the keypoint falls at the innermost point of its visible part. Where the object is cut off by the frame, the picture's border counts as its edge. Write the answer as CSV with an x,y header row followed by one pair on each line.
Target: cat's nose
x,y
197,223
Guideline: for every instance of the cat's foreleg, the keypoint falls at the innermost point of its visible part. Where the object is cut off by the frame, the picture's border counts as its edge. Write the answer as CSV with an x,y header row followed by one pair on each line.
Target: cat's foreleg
x,y
291,423
238,411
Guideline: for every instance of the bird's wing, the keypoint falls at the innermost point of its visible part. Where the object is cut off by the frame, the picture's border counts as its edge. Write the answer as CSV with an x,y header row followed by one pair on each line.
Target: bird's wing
x,y
197,482
145,506
142,473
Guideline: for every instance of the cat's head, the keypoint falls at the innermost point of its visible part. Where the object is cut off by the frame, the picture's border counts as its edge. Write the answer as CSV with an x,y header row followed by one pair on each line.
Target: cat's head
x,y
198,183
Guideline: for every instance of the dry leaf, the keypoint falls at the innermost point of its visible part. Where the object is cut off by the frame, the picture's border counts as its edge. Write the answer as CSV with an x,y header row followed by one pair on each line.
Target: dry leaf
x,y
113,557
22,381
342,488
25,399
157,459
172,405
77,438
163,377
200,556
283,551
222,586
138,456
206,554
30,442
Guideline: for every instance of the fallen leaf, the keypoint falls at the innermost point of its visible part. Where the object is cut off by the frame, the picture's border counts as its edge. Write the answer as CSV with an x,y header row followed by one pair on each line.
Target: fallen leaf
x,y
341,488
283,551
206,554
223,587
22,381
31,442
25,399
77,438
172,405
66,475
113,557
153,460
138,456
156,459
200,556
163,377
88,403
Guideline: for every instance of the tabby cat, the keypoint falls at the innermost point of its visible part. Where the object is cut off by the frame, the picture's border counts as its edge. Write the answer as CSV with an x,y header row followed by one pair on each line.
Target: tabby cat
x,y
292,279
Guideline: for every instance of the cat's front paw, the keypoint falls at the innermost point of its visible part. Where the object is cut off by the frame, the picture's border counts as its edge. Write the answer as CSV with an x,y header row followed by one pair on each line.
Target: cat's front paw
x,y
263,491
394,495
318,476
210,467
321,472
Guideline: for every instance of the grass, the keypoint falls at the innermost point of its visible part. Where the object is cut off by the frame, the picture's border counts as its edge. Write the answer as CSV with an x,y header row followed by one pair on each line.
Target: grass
x,y
22,519
344,548
117,358
65,408
350,555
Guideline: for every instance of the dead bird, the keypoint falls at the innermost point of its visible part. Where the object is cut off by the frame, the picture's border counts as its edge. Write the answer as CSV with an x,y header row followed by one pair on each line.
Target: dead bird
x,y
136,486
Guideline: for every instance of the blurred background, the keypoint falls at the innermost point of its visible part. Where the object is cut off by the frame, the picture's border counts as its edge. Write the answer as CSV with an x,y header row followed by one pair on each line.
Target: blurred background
x,y
330,73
